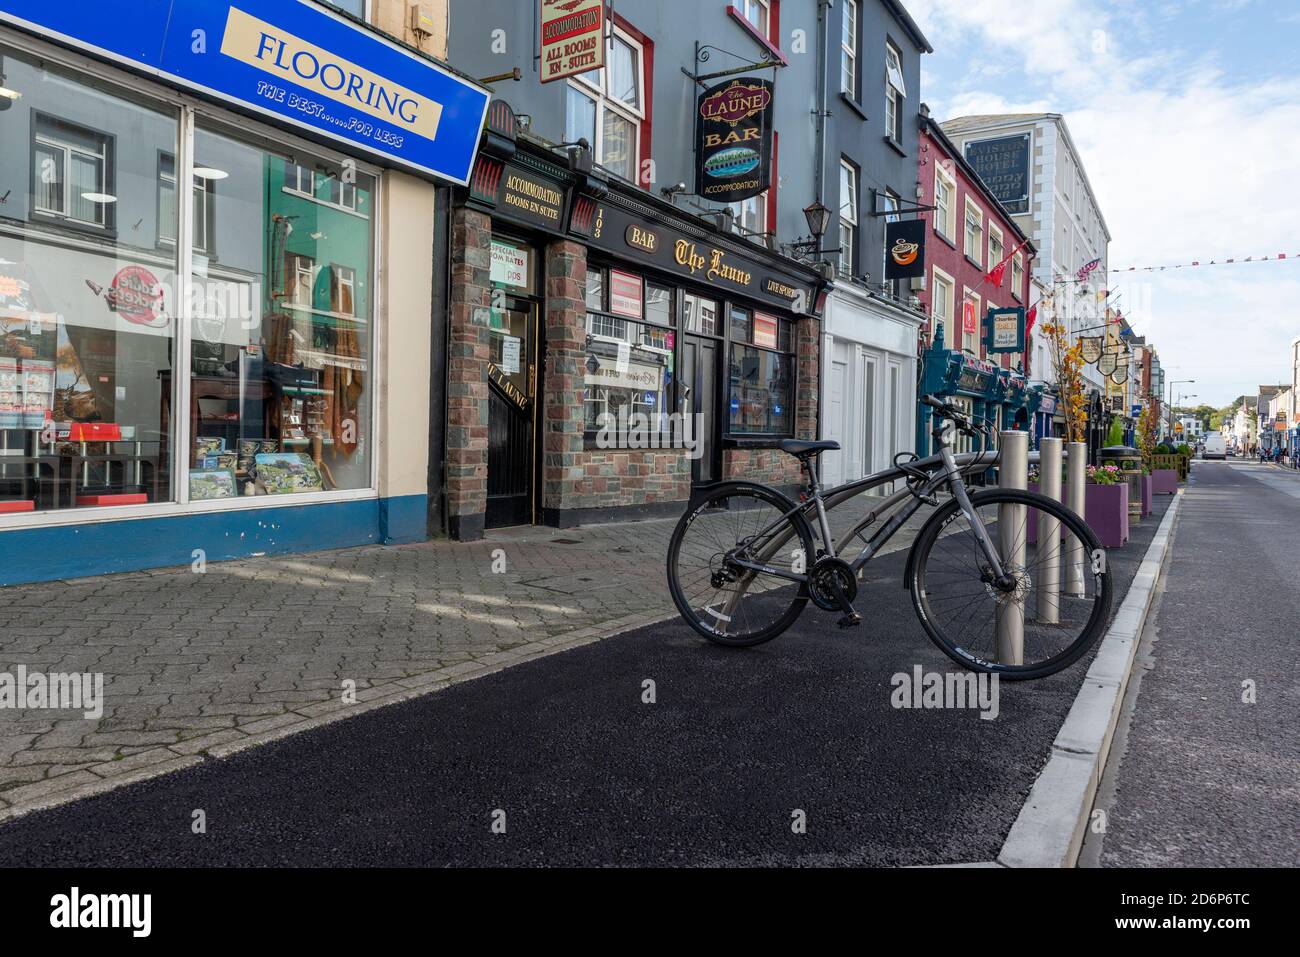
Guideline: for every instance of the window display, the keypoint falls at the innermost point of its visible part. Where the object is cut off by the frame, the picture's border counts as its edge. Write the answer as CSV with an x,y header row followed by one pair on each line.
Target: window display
x,y
629,368
280,348
275,390
88,299
762,379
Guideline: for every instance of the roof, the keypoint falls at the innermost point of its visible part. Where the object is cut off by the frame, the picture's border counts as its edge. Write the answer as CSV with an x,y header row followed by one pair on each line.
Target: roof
x,y
913,31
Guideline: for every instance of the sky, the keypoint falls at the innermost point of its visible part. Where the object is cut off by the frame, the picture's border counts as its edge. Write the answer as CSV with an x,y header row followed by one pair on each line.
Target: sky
x,y
1187,117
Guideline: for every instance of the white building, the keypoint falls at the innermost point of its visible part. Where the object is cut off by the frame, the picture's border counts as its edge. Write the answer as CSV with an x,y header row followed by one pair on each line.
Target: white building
x,y
1059,213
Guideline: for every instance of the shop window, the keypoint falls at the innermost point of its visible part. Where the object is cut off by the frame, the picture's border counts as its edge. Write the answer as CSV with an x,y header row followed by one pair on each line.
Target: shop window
x,y
72,172
631,340
849,50
87,322
848,217
281,385
606,107
761,374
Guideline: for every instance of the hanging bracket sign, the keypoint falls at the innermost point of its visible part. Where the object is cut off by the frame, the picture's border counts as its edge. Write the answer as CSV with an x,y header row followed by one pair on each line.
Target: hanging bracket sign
x,y
572,37
733,140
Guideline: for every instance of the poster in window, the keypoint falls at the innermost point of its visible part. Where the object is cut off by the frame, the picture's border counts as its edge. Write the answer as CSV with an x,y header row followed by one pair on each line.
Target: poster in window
x,y
733,140
509,265
572,37
625,294
765,328
905,246
968,320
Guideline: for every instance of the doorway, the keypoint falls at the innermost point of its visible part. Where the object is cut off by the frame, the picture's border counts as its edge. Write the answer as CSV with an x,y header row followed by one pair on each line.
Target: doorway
x,y
701,360
512,414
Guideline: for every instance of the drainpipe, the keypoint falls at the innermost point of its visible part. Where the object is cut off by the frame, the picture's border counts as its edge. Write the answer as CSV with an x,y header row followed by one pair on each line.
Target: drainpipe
x,y
823,26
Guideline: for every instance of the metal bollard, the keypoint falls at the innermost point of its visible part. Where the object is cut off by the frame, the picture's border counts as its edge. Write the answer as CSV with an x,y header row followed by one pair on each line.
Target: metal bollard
x,y
1048,579
1013,472
1077,464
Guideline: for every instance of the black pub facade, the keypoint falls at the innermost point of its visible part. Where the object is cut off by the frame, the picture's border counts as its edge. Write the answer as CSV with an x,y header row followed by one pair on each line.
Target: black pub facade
x,y
606,350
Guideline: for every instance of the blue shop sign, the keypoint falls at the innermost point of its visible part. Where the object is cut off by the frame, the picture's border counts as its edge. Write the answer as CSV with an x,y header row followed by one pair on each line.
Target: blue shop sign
x,y
289,59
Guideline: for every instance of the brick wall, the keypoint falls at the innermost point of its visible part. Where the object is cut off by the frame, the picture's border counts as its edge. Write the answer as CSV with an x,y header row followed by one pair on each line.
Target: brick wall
x,y
467,382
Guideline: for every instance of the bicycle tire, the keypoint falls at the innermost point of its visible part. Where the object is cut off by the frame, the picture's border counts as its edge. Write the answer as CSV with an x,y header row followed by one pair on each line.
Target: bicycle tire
x,y
730,500
918,564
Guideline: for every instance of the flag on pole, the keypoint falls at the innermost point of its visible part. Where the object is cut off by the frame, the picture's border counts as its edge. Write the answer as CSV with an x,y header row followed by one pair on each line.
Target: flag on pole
x,y
1086,269
998,272
1030,318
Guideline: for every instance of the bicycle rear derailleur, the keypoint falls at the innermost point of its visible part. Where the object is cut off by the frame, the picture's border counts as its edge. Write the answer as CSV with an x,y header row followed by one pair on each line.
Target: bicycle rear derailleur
x,y
832,585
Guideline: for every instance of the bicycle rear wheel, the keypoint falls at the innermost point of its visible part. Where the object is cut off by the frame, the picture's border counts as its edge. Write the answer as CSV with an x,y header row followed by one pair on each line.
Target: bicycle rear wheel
x,y
728,604
960,605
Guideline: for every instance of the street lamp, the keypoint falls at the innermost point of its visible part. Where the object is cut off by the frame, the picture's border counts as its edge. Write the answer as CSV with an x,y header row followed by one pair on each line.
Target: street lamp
x,y
818,217
1171,384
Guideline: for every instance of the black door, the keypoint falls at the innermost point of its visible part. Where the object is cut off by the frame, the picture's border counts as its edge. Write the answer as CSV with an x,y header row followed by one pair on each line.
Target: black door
x,y
700,359
512,405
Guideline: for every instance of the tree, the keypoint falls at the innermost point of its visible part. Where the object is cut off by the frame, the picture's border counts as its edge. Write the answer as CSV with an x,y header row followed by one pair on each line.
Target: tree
x,y
1067,366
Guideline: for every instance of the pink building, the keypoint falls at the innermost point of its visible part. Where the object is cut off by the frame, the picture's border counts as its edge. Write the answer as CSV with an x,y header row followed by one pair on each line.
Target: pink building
x,y
969,233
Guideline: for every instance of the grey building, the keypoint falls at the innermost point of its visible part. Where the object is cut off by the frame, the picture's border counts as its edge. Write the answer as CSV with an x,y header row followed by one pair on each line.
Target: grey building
x,y
847,92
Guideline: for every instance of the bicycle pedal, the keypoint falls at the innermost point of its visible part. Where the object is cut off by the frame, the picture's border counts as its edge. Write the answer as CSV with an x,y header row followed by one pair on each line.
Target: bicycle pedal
x,y
851,620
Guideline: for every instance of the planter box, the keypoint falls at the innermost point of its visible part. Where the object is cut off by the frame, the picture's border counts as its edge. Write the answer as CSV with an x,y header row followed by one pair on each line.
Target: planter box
x,y
1146,495
1164,482
1105,511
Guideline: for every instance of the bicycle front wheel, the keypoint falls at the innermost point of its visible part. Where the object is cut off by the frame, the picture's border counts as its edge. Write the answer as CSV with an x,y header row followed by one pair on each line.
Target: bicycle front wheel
x,y
1045,618
726,602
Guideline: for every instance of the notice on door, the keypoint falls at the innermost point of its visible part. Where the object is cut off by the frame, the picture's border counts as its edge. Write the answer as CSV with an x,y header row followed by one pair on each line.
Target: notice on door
x,y
510,355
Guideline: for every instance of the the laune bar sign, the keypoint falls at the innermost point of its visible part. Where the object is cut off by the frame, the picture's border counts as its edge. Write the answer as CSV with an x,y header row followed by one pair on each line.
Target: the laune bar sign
x,y
572,37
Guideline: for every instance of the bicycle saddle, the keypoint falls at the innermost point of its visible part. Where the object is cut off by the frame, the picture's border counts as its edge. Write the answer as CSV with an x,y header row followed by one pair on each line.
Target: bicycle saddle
x,y
800,448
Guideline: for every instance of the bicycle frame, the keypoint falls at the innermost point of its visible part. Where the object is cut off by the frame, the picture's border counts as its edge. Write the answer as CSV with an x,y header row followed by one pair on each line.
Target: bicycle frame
x,y
945,468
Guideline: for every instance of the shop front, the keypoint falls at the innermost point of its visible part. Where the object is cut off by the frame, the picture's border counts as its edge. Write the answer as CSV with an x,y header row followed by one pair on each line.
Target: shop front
x,y
608,351
974,385
213,342
869,385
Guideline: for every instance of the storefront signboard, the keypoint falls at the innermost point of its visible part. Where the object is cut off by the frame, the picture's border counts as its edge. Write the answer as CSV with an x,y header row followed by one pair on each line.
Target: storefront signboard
x,y
1006,330
529,198
733,140
572,37
671,250
905,249
294,61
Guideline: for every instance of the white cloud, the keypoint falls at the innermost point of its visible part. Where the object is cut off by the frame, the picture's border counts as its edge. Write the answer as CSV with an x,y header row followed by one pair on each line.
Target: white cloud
x,y
1186,164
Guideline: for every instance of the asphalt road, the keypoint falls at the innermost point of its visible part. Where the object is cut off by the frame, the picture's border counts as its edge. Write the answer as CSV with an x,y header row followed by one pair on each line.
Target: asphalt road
x,y
1206,779
713,772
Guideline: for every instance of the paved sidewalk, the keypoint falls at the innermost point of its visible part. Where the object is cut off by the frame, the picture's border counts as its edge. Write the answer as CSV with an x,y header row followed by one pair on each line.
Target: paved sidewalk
x,y
252,650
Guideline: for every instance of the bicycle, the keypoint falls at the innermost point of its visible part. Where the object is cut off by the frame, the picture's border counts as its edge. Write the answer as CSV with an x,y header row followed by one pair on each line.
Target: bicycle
x,y
971,570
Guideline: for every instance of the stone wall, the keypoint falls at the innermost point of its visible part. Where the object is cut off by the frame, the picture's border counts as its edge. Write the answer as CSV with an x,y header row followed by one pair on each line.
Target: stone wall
x,y
467,382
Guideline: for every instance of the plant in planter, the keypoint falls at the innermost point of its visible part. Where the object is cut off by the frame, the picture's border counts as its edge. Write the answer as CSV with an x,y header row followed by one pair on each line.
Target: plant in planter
x,y
1106,504
1105,475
